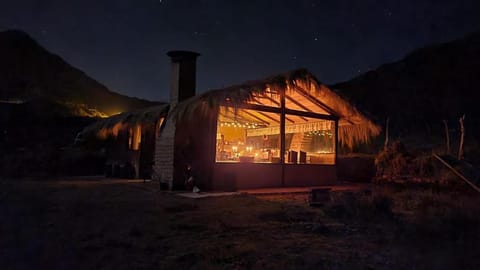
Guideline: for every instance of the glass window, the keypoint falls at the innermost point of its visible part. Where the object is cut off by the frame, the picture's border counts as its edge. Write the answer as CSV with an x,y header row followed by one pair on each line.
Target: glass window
x,y
248,136
254,136
309,140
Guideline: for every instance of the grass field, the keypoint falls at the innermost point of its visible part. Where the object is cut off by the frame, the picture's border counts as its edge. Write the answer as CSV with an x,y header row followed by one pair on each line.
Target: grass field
x,y
120,225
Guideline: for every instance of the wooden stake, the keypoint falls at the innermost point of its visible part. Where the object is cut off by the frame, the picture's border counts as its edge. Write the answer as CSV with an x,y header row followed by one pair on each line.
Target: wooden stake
x,y
386,134
457,173
462,137
447,137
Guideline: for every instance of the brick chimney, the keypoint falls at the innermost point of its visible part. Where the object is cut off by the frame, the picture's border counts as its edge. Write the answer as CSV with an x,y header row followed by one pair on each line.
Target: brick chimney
x,y
183,75
182,86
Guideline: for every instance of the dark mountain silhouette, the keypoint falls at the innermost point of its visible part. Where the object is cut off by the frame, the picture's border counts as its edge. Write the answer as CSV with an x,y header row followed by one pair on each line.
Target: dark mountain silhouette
x,y
429,85
28,72
44,103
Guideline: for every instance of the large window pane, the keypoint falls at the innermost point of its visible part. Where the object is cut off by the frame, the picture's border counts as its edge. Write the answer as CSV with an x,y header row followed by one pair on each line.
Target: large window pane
x,y
309,140
254,136
248,136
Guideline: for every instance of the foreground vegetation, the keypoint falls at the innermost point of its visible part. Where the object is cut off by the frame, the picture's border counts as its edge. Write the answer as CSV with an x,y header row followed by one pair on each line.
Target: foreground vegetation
x,y
112,225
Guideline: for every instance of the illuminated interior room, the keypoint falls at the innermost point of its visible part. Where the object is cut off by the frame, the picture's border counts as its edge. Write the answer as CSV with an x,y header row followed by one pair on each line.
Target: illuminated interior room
x,y
281,131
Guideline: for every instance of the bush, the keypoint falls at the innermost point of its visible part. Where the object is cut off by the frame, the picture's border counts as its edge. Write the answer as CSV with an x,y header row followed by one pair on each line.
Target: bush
x,y
423,166
395,162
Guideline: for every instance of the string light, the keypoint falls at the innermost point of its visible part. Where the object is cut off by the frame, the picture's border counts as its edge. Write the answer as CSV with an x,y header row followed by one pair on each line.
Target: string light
x,y
320,133
238,124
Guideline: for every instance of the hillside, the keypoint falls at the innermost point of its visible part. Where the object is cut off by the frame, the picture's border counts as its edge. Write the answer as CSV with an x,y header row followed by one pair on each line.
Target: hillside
x,y
430,84
44,103
28,72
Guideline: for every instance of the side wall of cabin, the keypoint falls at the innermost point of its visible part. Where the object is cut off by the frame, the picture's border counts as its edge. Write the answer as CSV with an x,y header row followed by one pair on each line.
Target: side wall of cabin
x,y
195,147
126,161
244,175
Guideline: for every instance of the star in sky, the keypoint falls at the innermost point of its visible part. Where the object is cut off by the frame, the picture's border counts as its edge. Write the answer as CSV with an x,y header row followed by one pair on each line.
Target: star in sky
x,y
238,40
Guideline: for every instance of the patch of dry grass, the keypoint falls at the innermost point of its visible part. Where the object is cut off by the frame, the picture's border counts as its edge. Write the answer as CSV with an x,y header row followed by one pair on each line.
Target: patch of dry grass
x,y
91,225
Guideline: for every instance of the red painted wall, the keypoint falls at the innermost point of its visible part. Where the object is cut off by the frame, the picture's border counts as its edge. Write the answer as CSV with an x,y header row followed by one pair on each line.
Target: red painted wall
x,y
235,176
302,175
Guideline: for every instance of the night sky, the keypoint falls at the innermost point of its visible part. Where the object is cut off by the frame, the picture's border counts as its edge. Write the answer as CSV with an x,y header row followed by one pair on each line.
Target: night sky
x,y
123,43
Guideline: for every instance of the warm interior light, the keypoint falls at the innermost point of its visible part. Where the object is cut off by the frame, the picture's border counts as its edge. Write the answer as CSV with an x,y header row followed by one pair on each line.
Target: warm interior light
x,y
246,135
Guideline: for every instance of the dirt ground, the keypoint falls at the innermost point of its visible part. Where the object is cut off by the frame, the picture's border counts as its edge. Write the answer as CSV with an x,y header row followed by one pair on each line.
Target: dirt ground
x,y
125,225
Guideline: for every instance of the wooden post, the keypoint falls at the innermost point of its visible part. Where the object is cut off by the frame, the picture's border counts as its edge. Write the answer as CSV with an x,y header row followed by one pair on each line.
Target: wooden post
x,y
470,183
282,133
336,141
447,137
462,137
386,134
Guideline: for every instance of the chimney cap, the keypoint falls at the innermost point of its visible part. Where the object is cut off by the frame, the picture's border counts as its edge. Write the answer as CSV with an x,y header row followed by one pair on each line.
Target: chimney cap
x,y
182,55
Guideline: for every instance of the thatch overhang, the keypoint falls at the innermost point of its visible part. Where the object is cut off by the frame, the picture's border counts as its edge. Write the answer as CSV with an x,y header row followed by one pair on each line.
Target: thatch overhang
x,y
303,92
109,127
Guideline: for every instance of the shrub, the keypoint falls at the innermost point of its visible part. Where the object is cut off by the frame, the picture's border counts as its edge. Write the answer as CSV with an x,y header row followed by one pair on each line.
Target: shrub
x,y
392,161
396,162
423,166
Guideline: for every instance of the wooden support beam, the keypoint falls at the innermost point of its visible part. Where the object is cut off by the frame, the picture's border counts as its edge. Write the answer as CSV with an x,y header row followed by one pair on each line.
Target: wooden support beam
x,y
258,101
298,103
236,117
315,101
267,116
256,117
287,111
311,115
304,119
271,99
282,133
256,107
289,120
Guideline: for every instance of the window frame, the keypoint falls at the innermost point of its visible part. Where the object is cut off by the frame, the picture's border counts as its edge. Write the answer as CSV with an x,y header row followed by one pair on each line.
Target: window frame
x,y
283,111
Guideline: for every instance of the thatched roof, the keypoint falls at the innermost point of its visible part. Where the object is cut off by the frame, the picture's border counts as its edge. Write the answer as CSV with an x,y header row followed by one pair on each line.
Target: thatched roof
x,y
110,126
354,125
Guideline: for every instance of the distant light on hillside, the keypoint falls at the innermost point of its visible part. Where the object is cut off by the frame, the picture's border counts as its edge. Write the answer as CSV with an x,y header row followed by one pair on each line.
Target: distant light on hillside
x,y
115,113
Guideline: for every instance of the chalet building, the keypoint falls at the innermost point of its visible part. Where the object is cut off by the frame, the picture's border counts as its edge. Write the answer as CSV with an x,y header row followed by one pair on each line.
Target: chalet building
x,y
281,131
